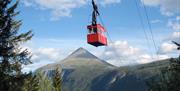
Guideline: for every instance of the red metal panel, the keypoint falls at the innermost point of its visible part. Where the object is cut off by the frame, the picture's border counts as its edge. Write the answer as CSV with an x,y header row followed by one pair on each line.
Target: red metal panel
x,y
97,38
92,38
101,28
103,39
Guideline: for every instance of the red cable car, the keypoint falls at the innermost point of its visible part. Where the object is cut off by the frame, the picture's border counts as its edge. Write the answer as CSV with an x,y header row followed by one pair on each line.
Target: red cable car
x,y
96,36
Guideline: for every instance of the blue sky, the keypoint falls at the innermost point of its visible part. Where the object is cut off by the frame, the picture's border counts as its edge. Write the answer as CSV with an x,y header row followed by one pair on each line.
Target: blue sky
x,y
60,27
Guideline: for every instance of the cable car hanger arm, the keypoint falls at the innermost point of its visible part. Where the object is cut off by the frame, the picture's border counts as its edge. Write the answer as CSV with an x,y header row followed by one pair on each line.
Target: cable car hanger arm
x,y
95,13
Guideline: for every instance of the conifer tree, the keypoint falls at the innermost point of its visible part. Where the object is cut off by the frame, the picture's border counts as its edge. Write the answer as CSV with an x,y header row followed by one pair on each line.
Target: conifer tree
x,y
31,83
57,80
12,56
168,79
44,83
174,74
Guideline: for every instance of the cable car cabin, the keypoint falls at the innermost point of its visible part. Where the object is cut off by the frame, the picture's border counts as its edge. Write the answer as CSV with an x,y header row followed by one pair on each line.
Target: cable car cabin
x,y
96,35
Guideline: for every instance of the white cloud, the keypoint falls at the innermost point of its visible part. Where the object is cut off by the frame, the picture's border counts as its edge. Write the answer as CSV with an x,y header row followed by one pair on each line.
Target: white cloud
x,y
174,23
151,2
120,53
58,8
34,66
147,58
43,56
108,2
48,54
167,7
27,3
167,48
155,21
175,36
62,8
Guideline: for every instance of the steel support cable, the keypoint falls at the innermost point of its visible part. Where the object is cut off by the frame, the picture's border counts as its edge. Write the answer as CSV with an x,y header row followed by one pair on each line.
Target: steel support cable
x,y
150,28
143,27
109,38
178,22
108,35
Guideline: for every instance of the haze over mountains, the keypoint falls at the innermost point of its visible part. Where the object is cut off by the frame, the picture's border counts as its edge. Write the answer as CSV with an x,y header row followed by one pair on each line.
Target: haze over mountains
x,y
82,71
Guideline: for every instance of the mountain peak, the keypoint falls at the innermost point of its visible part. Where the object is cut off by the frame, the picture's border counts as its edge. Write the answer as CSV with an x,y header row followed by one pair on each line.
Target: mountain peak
x,y
80,49
82,53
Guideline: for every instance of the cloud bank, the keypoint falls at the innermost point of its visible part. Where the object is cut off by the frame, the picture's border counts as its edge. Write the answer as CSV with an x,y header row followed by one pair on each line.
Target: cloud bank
x,y
62,8
167,7
121,53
